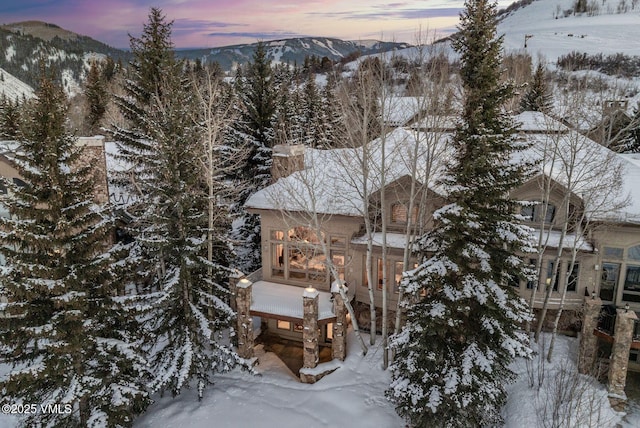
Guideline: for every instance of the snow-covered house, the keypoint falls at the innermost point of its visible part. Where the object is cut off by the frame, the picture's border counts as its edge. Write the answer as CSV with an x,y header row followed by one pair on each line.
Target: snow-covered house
x,y
313,218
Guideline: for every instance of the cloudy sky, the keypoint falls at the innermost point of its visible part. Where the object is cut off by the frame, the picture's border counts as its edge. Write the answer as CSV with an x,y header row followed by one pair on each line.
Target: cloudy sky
x,y
210,23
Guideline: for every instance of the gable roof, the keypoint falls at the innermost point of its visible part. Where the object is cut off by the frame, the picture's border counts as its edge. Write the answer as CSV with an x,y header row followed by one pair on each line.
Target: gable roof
x,y
332,180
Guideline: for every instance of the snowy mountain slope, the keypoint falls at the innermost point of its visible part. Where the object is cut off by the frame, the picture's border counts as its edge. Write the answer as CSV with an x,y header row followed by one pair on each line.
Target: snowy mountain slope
x,y
12,87
553,35
290,50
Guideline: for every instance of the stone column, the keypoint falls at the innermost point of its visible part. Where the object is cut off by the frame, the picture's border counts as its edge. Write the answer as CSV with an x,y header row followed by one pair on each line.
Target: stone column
x,y
588,340
310,328
339,344
622,339
245,323
235,276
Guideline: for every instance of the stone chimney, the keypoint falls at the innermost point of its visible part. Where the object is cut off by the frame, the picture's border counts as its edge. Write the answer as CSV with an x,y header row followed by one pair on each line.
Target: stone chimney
x,y
94,155
286,160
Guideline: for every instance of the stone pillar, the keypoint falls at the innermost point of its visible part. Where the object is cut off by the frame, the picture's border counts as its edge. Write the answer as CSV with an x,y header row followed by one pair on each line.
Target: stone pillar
x,y
310,328
245,323
235,276
588,340
622,339
339,344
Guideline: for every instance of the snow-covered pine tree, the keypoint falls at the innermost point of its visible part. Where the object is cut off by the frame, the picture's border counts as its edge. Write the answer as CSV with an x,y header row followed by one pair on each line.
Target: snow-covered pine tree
x,y
330,114
312,117
453,355
9,117
182,303
61,329
538,97
95,92
254,133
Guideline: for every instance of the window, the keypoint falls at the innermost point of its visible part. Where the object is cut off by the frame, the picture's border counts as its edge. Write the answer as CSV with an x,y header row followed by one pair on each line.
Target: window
x,y
550,275
609,280
329,332
380,274
399,213
533,274
299,254
633,253
398,268
284,325
572,280
612,253
337,259
535,212
338,241
277,262
632,279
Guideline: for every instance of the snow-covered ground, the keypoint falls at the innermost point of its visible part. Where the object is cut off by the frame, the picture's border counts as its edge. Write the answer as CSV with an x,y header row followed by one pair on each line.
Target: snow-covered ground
x,y
12,87
354,396
553,35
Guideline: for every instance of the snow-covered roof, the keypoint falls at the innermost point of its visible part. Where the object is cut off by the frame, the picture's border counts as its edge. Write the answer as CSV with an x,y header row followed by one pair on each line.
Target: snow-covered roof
x,y
286,300
394,240
397,111
551,239
535,121
332,181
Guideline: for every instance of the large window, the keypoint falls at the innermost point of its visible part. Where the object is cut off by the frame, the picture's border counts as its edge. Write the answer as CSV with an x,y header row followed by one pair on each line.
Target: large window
x,y
299,254
609,281
550,265
572,276
535,212
620,269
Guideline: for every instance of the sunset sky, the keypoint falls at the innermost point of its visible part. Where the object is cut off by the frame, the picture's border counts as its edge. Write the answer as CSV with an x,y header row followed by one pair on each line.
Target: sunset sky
x,y
210,23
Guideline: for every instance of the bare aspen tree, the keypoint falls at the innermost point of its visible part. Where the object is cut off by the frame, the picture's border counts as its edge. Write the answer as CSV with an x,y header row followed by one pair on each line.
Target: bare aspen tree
x,y
356,106
214,115
576,167
431,106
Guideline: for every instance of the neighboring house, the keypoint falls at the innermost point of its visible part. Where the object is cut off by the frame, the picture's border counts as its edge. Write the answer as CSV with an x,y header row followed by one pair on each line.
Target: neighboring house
x,y
313,217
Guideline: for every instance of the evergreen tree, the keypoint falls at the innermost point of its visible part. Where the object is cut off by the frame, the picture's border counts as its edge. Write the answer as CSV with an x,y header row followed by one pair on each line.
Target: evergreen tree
x,y
330,115
312,114
9,118
538,97
96,94
253,135
181,299
61,329
453,355
258,109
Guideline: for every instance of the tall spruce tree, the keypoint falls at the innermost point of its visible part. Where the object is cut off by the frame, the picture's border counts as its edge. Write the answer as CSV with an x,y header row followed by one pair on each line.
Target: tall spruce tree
x,y
180,297
453,355
253,135
9,118
95,92
62,327
538,97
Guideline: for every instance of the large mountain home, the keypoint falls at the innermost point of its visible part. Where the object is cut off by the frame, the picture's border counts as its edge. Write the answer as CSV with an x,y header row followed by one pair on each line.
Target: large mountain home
x,y
327,210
